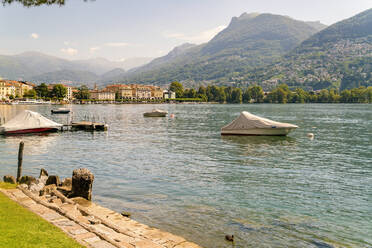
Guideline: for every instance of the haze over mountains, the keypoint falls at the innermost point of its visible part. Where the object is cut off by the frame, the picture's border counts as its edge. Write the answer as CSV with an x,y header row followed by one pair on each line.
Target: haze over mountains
x,y
255,48
39,67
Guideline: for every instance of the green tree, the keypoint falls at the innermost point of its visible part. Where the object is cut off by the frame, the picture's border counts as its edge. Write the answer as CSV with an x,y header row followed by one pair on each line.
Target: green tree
x,y
247,96
30,93
202,94
192,93
210,95
256,93
333,96
369,94
228,93
323,96
202,90
221,96
82,93
346,96
300,96
59,91
178,88
278,95
42,90
236,95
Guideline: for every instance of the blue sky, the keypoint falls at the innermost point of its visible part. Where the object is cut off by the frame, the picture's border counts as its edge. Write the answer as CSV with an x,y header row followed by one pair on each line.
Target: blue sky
x,y
119,29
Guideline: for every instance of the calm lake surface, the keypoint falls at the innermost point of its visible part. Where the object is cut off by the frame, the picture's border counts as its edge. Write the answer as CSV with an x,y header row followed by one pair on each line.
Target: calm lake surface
x,y
180,175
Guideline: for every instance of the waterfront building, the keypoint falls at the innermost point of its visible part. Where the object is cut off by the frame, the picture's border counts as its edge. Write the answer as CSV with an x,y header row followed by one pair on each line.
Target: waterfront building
x,y
167,94
136,91
102,95
126,92
22,87
6,90
69,95
141,92
122,91
156,92
14,88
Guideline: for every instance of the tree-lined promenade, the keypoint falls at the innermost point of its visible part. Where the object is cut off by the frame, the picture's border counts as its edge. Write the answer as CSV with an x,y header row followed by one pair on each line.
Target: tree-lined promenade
x,y
281,94
221,94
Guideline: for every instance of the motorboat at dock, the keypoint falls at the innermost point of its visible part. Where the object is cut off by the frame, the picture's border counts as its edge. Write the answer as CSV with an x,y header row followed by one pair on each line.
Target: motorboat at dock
x,y
29,122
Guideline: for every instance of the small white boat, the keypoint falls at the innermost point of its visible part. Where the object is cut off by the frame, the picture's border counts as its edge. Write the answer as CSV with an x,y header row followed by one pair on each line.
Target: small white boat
x,y
249,124
60,111
156,113
29,122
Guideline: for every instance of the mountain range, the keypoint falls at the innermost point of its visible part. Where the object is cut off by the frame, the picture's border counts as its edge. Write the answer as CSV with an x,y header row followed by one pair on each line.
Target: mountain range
x,y
39,67
264,49
267,50
339,56
249,41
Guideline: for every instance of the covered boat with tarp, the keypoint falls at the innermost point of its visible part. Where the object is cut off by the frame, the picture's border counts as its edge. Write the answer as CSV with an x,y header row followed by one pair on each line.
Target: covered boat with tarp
x,y
249,124
29,122
156,113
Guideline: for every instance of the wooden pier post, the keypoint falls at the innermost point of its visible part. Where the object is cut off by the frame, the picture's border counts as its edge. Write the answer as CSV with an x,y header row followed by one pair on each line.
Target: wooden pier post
x,y
20,160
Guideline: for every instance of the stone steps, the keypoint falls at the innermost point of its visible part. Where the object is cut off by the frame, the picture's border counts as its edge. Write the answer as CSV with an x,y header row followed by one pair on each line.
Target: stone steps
x,y
88,229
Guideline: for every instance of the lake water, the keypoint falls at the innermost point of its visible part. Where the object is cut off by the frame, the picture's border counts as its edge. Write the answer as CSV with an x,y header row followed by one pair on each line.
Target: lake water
x,y
180,175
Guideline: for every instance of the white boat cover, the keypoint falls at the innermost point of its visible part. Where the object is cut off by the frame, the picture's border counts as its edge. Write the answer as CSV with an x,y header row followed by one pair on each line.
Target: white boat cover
x,y
158,111
28,120
247,120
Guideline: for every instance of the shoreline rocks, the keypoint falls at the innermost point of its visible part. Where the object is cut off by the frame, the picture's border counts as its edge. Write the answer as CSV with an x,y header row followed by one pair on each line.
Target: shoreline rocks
x,y
82,183
53,180
27,180
9,179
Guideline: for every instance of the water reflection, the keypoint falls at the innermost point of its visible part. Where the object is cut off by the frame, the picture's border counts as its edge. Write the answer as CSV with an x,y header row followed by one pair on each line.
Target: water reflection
x,y
258,140
35,144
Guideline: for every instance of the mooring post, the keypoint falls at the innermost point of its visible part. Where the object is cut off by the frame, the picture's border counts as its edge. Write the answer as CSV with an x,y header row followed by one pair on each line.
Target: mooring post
x,y
20,160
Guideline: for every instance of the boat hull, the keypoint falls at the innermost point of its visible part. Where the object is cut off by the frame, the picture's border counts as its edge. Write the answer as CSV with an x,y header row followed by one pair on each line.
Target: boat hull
x,y
31,130
155,114
259,132
60,111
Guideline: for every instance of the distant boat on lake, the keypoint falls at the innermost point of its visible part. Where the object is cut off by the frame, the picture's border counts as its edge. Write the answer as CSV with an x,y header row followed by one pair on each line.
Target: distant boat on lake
x,y
249,124
29,122
60,111
156,113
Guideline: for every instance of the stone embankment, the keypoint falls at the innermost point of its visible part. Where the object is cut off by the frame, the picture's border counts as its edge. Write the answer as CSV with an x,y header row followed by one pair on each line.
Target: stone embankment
x,y
88,223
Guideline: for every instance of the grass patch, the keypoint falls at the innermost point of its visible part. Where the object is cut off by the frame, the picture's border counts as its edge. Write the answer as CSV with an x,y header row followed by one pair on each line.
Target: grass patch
x,y
20,228
7,185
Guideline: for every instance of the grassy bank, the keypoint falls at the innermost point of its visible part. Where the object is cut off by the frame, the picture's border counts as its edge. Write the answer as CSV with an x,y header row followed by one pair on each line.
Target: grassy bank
x,y
21,228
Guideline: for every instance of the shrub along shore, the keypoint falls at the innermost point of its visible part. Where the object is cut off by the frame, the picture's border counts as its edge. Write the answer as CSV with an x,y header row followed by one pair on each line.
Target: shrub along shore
x,y
281,94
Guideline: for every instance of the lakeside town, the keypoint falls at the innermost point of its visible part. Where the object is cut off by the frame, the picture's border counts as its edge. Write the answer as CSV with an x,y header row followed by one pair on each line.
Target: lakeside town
x,y
11,90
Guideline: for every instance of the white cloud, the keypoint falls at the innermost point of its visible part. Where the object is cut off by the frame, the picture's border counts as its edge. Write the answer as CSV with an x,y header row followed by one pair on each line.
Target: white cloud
x,y
201,37
70,51
117,44
94,49
66,43
34,36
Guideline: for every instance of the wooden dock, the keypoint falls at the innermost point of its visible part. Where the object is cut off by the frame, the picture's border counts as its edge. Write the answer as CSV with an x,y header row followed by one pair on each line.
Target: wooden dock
x,y
85,125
